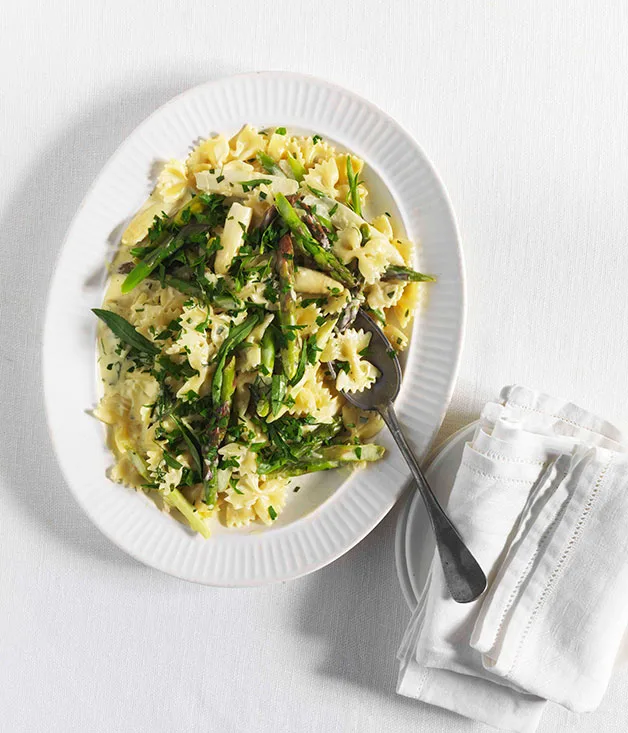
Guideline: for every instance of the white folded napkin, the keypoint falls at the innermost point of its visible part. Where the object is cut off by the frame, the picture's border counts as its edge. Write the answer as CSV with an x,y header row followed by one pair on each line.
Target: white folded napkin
x,y
541,498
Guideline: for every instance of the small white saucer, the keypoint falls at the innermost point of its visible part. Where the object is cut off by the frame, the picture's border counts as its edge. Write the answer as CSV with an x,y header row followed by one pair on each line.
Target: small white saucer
x,y
414,541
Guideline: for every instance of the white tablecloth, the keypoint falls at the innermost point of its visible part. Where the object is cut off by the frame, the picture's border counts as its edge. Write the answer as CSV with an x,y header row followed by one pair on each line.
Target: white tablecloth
x,y
523,108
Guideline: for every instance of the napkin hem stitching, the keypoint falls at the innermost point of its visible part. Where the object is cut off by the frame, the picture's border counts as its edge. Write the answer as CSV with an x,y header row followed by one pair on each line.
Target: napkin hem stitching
x,y
561,561
484,474
506,459
522,577
556,417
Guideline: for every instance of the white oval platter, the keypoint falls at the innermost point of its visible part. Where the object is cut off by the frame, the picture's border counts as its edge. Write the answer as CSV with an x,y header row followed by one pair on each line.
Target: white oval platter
x,y
333,510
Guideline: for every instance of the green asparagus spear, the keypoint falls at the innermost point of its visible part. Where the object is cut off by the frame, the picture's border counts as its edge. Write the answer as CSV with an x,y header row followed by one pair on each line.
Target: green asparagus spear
x,y
314,225
269,164
236,335
228,381
332,456
268,352
309,246
218,432
406,274
262,385
350,453
349,314
298,170
169,243
277,392
327,431
299,469
288,307
175,499
353,195
139,464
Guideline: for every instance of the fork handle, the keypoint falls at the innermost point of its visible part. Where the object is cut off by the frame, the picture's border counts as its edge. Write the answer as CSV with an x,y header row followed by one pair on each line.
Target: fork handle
x,y
464,577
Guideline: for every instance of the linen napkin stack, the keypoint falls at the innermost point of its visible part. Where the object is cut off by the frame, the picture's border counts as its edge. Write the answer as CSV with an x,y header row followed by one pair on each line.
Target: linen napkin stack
x,y
541,498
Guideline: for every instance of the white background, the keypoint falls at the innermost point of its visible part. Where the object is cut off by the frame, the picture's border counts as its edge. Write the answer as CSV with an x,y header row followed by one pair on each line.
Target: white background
x,y
523,108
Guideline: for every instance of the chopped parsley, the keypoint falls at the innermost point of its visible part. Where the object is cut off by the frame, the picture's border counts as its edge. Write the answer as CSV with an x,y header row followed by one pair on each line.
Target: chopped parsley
x,y
254,183
317,192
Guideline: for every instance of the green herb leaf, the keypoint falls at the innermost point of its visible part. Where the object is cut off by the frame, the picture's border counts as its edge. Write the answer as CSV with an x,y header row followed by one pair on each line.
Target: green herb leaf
x,y
126,332
192,443
236,335
171,461
303,358
272,513
176,370
311,350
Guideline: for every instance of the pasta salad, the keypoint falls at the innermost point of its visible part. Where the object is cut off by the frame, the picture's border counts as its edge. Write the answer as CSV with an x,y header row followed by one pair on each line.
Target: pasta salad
x,y
226,341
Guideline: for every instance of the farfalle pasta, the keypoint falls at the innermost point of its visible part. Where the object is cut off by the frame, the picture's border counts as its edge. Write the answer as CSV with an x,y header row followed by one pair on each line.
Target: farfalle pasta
x,y
226,343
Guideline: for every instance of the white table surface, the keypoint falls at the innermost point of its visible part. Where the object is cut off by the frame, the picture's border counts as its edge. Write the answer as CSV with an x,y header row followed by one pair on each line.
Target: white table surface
x,y
523,108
